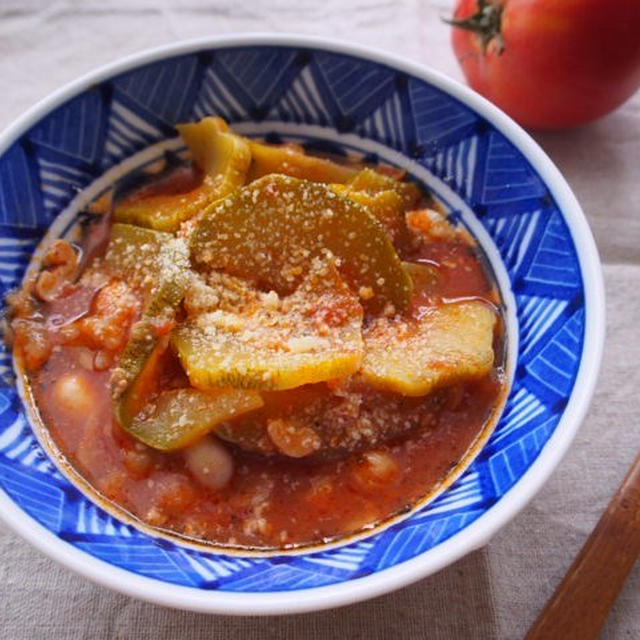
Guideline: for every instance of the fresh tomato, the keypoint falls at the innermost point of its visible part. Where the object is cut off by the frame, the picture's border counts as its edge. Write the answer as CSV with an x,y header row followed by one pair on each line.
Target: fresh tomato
x,y
550,63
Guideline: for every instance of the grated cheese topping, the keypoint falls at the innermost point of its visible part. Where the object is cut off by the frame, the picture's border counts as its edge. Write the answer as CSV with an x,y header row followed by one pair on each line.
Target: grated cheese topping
x,y
272,343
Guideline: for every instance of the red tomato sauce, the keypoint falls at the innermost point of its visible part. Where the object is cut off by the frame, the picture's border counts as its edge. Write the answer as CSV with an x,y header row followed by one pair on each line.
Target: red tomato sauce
x,y
387,451
273,501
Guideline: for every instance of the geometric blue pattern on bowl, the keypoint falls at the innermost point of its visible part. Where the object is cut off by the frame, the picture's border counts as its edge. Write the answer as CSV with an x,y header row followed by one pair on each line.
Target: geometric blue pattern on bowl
x,y
274,86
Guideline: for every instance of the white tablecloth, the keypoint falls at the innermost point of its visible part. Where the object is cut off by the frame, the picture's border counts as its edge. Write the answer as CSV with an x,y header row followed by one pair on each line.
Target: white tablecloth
x,y
493,593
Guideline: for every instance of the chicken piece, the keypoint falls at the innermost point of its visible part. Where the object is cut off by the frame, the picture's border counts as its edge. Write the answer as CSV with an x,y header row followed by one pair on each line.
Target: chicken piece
x,y
431,225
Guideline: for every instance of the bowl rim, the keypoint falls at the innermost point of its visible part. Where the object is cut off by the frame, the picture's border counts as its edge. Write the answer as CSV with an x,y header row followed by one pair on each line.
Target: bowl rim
x,y
476,534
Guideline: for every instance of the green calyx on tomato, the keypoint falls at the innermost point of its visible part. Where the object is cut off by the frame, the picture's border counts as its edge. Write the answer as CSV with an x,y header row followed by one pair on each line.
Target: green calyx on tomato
x,y
486,22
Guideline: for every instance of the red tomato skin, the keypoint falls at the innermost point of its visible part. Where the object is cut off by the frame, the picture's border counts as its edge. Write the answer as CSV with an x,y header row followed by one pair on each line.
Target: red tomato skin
x,y
564,63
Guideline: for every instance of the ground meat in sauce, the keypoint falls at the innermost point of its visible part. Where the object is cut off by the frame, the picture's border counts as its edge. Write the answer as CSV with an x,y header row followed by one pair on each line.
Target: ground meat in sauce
x,y
314,463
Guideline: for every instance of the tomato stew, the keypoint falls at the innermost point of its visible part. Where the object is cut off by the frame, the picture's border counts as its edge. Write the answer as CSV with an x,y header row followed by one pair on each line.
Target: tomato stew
x,y
263,408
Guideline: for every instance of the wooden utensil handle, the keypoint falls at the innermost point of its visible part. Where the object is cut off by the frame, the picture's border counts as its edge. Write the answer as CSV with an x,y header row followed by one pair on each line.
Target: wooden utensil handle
x,y
582,601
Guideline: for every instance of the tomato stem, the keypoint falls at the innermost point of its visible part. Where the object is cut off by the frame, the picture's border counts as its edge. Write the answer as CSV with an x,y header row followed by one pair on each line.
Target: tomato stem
x,y
486,22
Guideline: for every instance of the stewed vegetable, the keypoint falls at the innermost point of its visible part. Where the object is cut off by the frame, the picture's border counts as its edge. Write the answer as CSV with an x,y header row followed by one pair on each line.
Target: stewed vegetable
x,y
272,349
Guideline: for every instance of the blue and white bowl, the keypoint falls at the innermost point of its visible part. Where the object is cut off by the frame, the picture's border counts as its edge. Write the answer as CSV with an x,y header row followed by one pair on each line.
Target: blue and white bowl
x,y
483,167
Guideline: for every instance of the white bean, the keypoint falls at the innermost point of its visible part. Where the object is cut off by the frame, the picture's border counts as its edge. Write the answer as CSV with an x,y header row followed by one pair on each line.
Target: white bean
x,y
73,393
209,462
376,469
